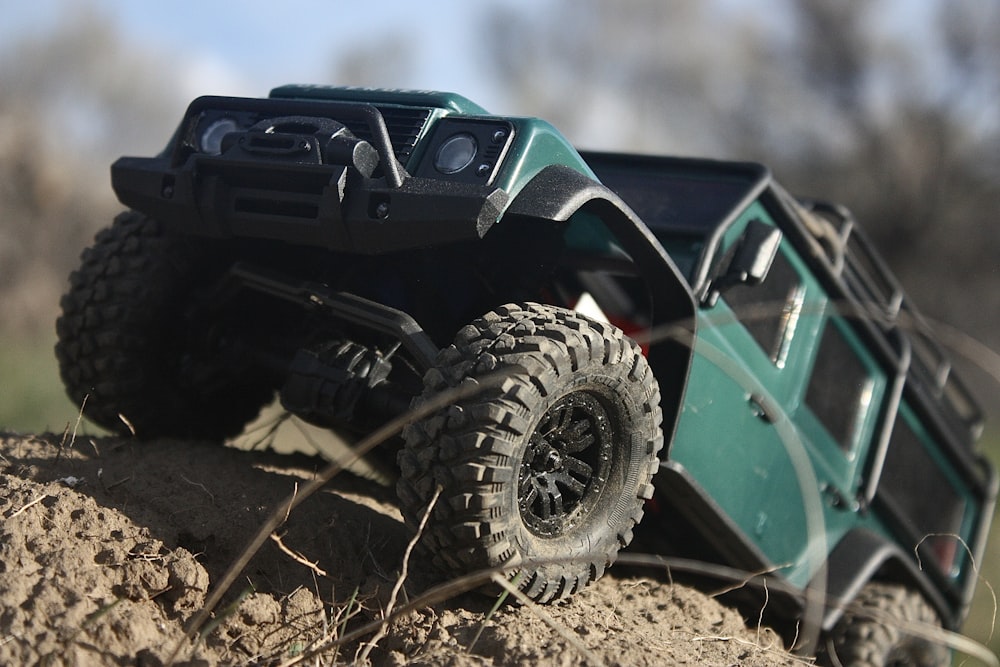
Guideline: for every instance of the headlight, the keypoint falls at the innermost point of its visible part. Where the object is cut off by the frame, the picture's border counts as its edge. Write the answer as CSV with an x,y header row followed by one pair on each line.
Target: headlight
x,y
456,153
210,140
466,150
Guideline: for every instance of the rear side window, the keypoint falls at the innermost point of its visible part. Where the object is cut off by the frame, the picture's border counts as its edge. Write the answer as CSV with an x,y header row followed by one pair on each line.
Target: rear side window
x,y
840,389
908,474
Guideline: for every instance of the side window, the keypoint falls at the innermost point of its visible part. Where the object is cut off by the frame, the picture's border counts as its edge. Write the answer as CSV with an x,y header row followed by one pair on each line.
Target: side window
x,y
770,311
909,470
841,388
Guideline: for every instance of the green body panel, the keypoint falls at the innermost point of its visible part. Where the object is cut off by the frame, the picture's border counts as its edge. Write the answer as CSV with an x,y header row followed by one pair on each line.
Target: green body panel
x,y
537,144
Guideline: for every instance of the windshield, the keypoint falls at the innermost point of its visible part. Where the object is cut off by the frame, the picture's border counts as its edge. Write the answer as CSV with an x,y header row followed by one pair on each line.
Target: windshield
x,y
672,204
682,201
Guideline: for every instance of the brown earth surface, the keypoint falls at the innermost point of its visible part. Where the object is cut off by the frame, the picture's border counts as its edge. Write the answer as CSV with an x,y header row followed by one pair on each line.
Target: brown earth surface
x,y
109,547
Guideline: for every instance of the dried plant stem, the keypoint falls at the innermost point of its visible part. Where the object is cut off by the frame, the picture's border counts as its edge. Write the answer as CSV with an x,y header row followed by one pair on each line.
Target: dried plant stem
x,y
975,568
537,610
404,571
433,596
283,509
76,428
29,506
297,557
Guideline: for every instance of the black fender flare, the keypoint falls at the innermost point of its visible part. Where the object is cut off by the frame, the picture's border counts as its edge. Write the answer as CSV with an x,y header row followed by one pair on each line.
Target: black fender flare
x,y
863,556
557,193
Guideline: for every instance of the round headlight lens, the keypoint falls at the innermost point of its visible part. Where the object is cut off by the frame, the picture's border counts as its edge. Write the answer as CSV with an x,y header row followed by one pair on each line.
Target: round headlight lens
x,y
456,153
211,139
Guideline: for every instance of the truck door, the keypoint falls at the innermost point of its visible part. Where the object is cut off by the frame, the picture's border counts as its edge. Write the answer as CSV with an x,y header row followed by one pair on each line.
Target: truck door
x,y
746,377
780,404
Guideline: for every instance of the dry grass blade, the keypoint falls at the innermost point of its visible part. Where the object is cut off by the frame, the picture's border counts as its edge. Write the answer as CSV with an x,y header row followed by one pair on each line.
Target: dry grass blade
x,y
76,427
535,609
496,606
200,486
128,424
745,581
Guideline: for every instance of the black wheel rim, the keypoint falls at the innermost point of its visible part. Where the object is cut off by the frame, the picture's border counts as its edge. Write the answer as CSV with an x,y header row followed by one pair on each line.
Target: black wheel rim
x,y
566,464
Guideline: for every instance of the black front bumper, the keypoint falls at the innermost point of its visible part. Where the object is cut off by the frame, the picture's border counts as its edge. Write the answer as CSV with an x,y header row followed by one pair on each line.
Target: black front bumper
x,y
332,206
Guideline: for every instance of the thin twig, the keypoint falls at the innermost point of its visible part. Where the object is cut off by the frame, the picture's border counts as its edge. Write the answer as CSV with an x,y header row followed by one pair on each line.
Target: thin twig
x,y
276,518
29,505
295,492
297,557
128,424
200,486
404,570
118,483
762,573
76,426
975,569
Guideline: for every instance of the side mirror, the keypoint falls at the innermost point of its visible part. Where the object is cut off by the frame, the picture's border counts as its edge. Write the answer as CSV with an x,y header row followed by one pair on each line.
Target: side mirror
x,y
751,260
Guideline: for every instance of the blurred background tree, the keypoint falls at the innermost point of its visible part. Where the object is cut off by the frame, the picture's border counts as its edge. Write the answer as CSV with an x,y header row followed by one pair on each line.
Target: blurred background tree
x,y
72,101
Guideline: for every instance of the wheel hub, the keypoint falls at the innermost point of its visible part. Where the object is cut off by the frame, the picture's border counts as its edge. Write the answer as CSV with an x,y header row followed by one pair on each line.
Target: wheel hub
x,y
550,461
566,464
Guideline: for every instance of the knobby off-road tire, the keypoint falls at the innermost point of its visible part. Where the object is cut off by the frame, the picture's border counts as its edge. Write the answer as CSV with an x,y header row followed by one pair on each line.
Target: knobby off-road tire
x,y
123,339
872,634
544,469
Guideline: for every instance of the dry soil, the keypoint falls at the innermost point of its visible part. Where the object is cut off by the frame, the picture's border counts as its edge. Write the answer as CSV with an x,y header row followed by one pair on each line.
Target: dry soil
x,y
108,548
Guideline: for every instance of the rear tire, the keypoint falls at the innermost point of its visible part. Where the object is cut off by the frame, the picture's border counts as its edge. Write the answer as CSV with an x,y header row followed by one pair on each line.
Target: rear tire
x,y
545,470
871,632
123,339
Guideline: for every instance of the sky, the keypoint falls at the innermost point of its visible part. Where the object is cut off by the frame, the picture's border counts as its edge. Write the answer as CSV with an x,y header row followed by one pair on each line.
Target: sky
x,y
246,48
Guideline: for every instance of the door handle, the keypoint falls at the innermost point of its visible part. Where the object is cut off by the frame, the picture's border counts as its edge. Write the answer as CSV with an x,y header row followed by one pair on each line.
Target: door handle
x,y
762,409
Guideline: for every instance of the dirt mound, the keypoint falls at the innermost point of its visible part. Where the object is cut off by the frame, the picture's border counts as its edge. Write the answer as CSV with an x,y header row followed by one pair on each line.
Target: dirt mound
x,y
109,547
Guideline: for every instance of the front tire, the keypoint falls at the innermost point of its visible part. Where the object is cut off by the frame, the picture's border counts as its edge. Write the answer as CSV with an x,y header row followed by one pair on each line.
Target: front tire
x,y
544,470
124,339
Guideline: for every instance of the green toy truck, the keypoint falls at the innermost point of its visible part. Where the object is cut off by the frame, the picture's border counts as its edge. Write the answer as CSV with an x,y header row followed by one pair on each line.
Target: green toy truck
x,y
621,335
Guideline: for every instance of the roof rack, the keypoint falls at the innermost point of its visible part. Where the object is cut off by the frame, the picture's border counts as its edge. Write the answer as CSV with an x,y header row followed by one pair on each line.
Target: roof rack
x,y
854,261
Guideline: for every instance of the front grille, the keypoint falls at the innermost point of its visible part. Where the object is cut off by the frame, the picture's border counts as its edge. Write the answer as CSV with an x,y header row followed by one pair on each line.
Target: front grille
x,y
405,125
